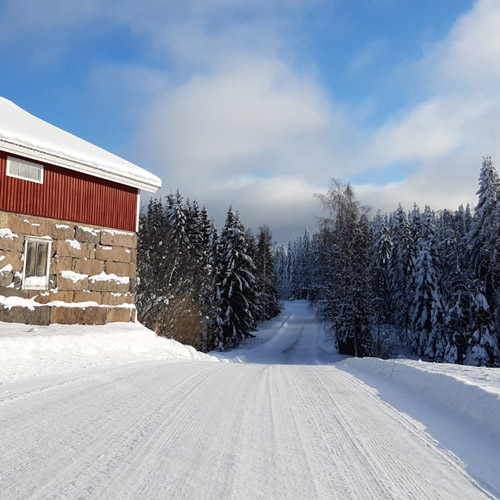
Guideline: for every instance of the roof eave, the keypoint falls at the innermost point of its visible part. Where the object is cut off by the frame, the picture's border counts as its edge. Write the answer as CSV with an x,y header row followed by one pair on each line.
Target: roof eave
x,y
78,166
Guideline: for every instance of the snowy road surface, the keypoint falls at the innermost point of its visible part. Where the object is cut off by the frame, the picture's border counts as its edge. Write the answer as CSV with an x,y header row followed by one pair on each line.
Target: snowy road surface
x,y
264,428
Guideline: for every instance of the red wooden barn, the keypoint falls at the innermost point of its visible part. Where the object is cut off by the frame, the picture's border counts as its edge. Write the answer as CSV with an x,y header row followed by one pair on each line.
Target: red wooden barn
x,y
68,217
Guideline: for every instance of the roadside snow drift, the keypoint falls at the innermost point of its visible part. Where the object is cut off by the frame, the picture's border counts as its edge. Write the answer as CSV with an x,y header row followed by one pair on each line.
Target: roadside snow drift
x,y
27,351
467,396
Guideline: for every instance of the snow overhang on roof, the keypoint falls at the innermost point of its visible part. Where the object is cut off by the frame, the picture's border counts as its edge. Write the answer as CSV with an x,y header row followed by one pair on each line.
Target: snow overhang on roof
x,y
26,135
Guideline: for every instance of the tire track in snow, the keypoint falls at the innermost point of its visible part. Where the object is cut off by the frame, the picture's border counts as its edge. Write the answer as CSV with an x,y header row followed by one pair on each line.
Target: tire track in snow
x,y
73,431
396,441
219,431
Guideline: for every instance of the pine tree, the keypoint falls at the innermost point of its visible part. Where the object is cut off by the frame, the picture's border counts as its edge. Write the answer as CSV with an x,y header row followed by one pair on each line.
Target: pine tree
x,y
176,217
265,276
484,239
193,222
151,292
482,349
401,273
380,271
485,226
454,283
281,264
235,286
427,316
456,324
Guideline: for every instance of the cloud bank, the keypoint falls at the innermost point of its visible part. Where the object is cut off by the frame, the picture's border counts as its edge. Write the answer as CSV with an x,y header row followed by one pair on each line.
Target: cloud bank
x,y
234,115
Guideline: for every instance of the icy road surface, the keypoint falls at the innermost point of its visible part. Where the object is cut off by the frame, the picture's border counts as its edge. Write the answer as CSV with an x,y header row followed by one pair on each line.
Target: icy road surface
x,y
275,425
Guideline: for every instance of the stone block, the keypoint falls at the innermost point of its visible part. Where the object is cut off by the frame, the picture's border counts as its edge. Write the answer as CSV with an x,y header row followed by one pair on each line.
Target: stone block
x,y
118,239
121,269
14,292
87,235
21,224
77,315
118,314
4,219
86,266
113,254
62,231
86,296
37,316
73,248
59,296
11,243
132,285
116,299
69,284
59,264
11,258
30,225
95,316
6,279
108,286
66,315
133,256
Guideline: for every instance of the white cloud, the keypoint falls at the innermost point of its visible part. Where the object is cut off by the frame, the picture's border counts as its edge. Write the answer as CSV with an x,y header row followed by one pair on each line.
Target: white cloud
x,y
232,119
446,134
256,134
467,60
284,202
248,128
258,112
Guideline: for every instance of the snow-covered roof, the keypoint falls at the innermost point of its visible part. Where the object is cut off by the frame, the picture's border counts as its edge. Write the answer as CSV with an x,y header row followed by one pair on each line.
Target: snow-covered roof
x,y
26,135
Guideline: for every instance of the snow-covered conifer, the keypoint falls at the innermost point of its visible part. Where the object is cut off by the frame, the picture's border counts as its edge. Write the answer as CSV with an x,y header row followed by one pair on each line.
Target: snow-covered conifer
x,y
482,349
235,286
265,275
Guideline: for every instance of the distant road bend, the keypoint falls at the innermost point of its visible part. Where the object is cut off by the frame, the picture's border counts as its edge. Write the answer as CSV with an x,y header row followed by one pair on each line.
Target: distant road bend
x,y
275,425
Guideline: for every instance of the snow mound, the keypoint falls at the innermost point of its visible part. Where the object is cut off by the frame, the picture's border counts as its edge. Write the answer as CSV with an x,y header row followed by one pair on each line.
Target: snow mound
x,y
473,393
26,351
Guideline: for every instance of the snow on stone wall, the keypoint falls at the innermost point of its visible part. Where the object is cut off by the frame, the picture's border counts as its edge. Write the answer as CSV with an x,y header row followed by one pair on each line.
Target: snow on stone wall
x,y
91,276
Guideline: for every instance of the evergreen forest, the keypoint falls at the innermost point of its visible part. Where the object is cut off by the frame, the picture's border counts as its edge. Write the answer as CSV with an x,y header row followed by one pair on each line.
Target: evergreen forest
x,y
423,283
198,286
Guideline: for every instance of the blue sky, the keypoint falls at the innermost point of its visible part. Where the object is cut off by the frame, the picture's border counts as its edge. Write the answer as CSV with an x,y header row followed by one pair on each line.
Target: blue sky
x,y
261,103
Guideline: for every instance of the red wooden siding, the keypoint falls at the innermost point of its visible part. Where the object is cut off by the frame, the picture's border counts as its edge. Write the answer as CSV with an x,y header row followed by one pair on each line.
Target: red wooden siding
x,y
69,195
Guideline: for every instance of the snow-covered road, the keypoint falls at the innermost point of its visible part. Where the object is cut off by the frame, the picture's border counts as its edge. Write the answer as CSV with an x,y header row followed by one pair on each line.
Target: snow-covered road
x,y
266,427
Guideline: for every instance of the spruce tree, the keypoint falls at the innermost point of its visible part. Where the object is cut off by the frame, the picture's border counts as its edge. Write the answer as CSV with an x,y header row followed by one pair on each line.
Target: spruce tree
x,y
482,349
236,297
402,271
265,275
427,309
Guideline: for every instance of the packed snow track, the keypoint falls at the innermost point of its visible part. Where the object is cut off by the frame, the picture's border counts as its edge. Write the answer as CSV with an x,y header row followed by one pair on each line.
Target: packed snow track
x,y
255,429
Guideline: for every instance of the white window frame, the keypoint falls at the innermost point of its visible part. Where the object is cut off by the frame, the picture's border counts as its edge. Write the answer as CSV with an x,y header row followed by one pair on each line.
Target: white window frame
x,y
138,211
28,239
30,164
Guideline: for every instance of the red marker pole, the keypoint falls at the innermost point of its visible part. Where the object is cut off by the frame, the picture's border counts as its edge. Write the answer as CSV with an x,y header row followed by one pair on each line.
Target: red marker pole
x,y
157,328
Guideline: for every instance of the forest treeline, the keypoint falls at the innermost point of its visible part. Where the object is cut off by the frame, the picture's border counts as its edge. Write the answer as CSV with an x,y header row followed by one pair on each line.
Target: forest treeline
x,y
200,287
423,282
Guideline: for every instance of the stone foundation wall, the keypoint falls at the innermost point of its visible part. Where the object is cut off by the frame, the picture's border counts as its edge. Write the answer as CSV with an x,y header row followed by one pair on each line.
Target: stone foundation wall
x,y
91,276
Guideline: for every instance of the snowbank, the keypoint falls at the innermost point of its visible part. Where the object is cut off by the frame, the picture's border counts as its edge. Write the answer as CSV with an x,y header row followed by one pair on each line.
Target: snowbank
x,y
471,392
27,351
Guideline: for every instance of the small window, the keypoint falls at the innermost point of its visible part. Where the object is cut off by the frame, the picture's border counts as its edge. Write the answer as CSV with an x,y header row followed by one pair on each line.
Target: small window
x,y
23,169
36,264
